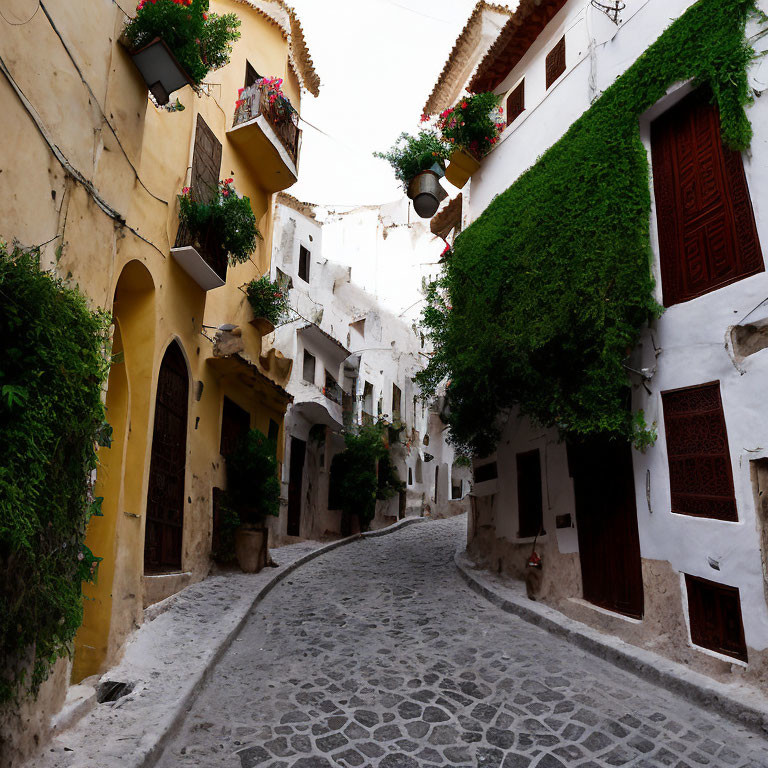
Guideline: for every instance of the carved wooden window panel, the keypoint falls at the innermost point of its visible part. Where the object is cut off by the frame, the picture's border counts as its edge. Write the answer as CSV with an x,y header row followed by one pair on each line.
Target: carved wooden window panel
x,y
700,475
516,103
555,63
707,232
715,615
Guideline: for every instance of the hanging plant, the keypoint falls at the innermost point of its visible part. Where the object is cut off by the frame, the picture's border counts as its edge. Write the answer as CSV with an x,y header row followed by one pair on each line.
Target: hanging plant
x,y
200,41
267,299
229,216
473,124
411,155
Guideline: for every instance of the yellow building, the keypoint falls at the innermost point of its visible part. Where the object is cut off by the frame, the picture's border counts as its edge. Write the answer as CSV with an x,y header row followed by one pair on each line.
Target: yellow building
x,y
91,167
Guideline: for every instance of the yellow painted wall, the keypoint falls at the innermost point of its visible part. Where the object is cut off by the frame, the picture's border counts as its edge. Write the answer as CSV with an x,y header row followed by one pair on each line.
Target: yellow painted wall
x,y
122,262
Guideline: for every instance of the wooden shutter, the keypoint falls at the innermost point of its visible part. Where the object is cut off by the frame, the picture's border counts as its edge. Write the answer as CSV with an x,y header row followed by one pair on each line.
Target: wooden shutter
x,y
700,475
516,103
556,62
707,232
529,502
715,614
206,162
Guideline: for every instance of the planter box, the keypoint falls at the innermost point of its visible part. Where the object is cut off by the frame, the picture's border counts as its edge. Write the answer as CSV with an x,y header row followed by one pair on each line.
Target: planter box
x,y
426,193
201,258
160,69
461,166
262,325
251,549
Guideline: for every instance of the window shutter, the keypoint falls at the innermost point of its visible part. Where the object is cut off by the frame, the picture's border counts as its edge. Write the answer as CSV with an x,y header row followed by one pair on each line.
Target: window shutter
x,y
700,475
707,232
206,162
516,103
715,614
556,62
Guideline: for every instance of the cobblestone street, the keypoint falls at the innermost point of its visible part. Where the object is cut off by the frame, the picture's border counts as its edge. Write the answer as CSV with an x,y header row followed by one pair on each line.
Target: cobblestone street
x,y
377,654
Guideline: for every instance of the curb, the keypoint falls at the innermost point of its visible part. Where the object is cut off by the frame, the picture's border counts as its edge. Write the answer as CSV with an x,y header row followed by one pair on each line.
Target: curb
x,y
735,702
153,754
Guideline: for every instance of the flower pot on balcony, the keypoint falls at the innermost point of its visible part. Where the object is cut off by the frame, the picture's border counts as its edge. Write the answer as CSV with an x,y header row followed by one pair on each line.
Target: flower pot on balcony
x,y
461,166
201,257
160,69
426,193
262,325
251,548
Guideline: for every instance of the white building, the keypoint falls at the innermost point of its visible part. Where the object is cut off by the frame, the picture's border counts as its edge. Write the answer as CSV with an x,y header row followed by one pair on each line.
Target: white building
x,y
354,361
666,549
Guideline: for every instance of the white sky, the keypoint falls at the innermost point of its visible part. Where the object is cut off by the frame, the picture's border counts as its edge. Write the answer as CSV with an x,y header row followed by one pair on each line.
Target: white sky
x,y
378,61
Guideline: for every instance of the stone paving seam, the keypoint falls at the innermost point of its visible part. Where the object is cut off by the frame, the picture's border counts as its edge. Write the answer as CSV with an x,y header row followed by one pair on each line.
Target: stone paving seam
x,y
738,703
152,755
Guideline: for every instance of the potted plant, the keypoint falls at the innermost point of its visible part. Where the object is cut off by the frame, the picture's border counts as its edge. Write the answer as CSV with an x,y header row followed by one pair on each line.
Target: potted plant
x,y
177,42
419,162
253,492
470,129
268,302
222,230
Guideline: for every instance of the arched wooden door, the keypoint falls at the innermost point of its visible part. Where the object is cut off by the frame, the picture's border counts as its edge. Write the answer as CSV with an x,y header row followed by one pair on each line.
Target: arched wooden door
x,y
165,498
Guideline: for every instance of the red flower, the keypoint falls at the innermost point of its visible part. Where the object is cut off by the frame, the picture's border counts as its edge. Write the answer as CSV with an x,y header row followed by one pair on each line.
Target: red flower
x,y
225,192
205,16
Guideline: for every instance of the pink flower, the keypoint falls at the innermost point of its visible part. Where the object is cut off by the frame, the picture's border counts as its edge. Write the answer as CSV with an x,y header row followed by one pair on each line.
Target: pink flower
x,y
225,192
185,191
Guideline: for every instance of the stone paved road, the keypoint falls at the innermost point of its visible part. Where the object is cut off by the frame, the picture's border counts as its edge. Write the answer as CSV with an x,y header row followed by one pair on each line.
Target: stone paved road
x,y
377,654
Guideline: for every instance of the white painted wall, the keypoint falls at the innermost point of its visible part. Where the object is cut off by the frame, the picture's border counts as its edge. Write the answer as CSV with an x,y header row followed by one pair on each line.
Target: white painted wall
x,y
693,336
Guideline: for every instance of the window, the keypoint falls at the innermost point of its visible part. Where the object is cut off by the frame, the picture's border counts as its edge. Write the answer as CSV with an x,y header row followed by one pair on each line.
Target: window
x,y
697,446
556,62
274,431
529,505
486,472
456,491
251,75
367,403
332,389
707,232
516,103
396,397
235,422
309,367
304,255
410,476
715,614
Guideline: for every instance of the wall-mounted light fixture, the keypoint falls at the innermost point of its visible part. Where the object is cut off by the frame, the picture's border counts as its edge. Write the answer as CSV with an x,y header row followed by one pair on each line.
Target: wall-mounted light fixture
x,y
611,8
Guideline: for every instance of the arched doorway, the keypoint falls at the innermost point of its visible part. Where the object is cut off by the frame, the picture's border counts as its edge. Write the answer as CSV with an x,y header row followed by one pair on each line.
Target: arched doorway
x,y
165,496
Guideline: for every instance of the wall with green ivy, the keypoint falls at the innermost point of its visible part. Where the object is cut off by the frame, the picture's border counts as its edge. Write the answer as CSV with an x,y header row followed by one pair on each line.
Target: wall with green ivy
x,y
52,368
545,293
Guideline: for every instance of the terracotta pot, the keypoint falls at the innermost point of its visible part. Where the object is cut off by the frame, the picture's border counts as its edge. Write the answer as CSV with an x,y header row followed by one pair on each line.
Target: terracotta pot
x,y
461,166
262,325
251,548
426,193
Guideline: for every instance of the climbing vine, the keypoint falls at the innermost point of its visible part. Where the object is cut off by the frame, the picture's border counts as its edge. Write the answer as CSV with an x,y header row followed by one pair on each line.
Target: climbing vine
x,y
544,295
52,368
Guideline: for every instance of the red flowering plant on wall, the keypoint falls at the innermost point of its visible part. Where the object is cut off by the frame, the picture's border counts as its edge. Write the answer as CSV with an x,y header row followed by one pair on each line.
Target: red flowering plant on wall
x,y
473,125
278,104
229,215
200,41
267,299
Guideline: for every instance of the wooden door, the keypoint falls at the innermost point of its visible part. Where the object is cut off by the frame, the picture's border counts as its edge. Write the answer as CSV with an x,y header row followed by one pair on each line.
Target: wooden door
x,y
298,452
165,497
707,232
606,517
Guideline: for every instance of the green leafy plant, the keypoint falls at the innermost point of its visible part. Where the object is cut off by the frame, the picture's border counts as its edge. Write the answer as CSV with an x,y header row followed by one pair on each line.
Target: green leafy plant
x,y
52,368
228,216
199,40
410,155
253,488
357,485
267,299
473,124
546,292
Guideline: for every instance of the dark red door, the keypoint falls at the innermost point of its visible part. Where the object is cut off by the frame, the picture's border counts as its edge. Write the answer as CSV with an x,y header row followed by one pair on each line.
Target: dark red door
x,y
707,232
606,518
165,498
298,451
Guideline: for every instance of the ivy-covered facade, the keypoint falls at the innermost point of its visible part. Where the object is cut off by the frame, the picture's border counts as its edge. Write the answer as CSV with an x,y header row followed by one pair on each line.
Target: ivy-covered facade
x,y
597,323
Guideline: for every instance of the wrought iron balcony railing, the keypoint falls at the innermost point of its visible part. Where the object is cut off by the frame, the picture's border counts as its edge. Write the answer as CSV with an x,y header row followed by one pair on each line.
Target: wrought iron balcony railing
x,y
254,101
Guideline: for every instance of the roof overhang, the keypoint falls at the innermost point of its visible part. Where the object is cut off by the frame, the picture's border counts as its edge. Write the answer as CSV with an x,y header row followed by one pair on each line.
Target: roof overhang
x,y
335,351
237,368
518,35
316,413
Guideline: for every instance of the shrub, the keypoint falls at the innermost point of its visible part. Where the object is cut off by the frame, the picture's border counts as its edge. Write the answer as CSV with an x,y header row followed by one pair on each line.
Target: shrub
x,y
229,216
52,368
267,299
473,124
199,40
545,294
410,155
253,488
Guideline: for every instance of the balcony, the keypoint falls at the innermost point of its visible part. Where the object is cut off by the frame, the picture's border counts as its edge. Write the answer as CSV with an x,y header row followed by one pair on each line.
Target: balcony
x,y
202,259
268,136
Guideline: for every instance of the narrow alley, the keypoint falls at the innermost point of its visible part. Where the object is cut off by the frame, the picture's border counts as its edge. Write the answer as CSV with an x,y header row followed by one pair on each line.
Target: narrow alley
x,y
377,654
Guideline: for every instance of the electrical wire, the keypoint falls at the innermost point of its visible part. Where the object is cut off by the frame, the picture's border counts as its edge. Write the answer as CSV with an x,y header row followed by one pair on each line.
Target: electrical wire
x,y
21,23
